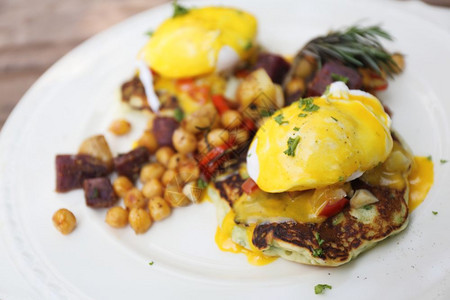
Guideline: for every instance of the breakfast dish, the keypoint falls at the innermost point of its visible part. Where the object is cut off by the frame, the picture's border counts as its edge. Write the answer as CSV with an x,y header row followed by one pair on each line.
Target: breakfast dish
x,y
299,165
177,256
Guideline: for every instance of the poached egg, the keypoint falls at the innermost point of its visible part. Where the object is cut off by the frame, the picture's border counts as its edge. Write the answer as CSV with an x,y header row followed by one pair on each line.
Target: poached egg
x,y
201,41
317,142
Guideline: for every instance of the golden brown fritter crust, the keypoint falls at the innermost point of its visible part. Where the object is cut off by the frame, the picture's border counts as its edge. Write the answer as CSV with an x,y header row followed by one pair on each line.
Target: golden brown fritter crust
x,y
344,235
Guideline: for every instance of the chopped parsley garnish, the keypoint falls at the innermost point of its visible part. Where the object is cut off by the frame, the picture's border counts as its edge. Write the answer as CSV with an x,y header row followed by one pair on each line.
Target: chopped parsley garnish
x,y
201,183
302,115
367,207
292,145
178,10
337,77
151,263
334,118
150,32
434,212
249,155
248,45
296,128
178,114
265,113
430,158
319,240
307,104
317,252
279,119
443,161
341,178
320,288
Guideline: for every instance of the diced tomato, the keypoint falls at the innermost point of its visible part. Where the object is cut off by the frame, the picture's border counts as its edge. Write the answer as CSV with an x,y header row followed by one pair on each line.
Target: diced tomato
x,y
332,208
200,93
185,84
249,186
220,103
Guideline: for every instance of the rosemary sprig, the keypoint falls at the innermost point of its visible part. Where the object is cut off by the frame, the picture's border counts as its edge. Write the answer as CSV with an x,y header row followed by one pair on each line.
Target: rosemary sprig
x,y
355,46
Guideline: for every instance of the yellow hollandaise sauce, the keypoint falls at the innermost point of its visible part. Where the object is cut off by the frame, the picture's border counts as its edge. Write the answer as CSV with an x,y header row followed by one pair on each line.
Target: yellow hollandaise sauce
x,y
261,207
420,181
320,141
225,243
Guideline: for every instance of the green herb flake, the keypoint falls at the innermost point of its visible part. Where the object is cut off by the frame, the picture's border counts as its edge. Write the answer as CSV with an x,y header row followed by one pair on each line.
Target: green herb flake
x,y
317,252
319,240
150,32
337,77
430,158
296,128
443,161
178,114
292,144
279,119
248,45
434,212
320,288
302,115
265,113
249,155
367,207
151,263
201,183
334,118
178,10
341,178
307,104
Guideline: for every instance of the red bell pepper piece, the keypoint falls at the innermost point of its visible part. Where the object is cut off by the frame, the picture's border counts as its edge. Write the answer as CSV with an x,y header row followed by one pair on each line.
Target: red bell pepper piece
x,y
220,103
332,208
214,158
249,186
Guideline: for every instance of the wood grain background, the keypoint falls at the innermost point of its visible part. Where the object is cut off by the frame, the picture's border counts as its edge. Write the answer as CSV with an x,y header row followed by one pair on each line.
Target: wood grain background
x,y
36,33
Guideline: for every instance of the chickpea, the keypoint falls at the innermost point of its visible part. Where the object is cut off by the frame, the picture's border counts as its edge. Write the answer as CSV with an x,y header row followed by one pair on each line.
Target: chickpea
x,y
217,137
194,124
64,221
175,161
159,208
241,136
134,199
120,127
399,59
117,217
296,85
150,171
305,67
122,185
139,220
164,154
148,140
231,119
189,170
169,176
174,194
193,192
152,188
184,141
202,146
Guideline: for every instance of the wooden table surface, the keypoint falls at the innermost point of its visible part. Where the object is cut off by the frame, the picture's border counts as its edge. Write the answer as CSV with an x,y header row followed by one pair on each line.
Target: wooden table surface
x,y
36,33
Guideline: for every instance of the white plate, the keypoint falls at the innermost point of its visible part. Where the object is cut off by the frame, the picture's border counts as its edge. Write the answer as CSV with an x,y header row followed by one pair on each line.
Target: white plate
x,y
78,97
